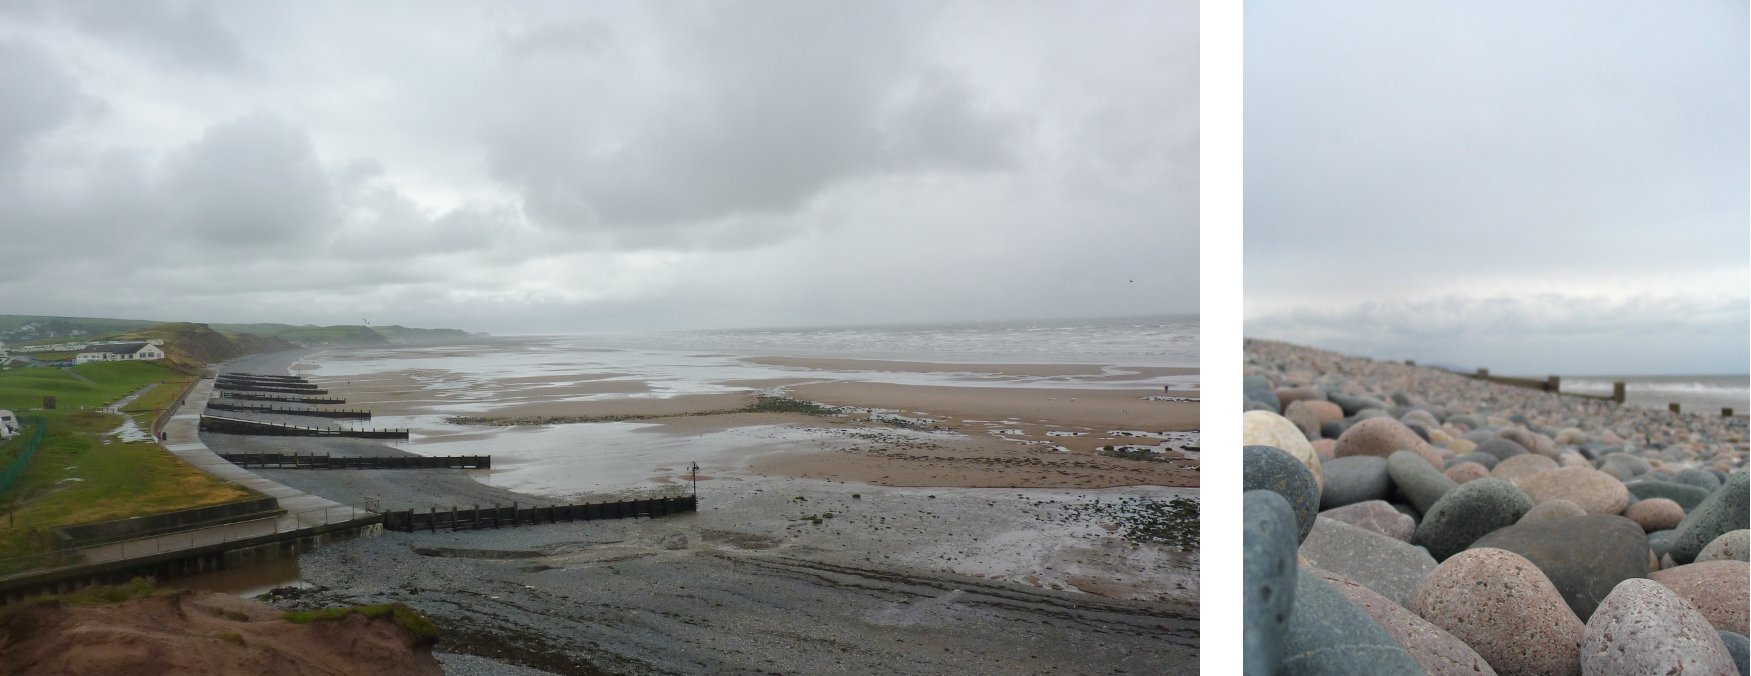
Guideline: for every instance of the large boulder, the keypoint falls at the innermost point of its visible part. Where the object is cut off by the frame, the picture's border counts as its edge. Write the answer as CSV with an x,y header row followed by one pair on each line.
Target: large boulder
x,y
1354,479
1644,628
1377,516
1718,589
1383,437
1501,605
1268,575
1421,483
1437,652
1595,491
1268,468
1330,636
1264,428
1583,557
1724,511
1469,512
1393,568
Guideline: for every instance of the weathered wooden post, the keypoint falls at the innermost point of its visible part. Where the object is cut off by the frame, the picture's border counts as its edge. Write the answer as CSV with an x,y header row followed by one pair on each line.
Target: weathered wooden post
x,y
434,516
513,513
1410,362
1483,372
1673,406
495,515
453,520
1553,384
1617,391
1726,413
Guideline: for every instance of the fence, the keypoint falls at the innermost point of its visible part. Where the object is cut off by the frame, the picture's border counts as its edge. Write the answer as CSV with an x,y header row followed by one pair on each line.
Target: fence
x,y
301,461
513,516
266,527
39,426
1619,389
212,423
232,385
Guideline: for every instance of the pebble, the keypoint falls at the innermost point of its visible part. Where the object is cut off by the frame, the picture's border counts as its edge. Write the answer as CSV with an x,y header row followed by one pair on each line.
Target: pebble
x,y
1269,468
1730,546
1466,471
1264,428
1655,514
1501,448
1501,605
1738,647
1330,635
1521,466
1383,437
1391,567
1485,459
1552,509
1268,573
1469,512
1584,557
1421,483
1725,510
1687,497
1595,491
1377,516
1700,478
1354,479
1437,652
1644,628
1717,589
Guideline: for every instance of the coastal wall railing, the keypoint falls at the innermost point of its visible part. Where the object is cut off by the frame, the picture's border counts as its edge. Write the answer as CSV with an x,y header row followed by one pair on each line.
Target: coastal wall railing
x,y
193,539
38,427
475,518
229,425
280,410
313,461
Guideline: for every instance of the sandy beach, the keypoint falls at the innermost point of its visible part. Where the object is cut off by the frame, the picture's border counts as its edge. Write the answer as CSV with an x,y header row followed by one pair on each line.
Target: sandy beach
x,y
922,524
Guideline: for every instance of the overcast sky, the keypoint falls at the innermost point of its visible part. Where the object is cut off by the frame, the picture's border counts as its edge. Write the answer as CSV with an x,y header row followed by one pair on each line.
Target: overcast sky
x,y
1536,187
527,167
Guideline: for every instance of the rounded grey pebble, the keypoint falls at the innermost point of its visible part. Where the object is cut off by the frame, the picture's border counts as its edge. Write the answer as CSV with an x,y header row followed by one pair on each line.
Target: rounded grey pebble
x,y
1268,576
1330,635
1273,469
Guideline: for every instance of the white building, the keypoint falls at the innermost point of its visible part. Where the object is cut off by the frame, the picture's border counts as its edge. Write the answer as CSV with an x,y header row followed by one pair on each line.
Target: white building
x,y
8,424
118,352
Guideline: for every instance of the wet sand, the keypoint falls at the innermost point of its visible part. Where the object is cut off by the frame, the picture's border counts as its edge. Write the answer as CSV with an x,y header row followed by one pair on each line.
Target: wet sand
x,y
1085,372
935,578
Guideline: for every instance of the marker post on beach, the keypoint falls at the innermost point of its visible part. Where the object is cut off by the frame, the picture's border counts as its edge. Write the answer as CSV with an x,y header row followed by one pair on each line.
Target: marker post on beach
x,y
693,468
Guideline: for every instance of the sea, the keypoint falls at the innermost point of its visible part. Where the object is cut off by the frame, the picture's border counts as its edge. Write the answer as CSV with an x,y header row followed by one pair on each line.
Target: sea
x,y
1700,394
1149,340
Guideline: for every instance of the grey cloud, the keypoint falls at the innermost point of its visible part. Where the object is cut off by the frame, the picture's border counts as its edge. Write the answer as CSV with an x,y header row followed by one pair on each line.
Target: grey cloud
x,y
175,32
254,181
40,96
783,101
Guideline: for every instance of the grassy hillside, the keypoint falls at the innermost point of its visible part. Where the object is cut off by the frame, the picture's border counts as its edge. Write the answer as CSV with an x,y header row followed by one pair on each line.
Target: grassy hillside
x,y
22,328
333,335
86,385
403,334
189,347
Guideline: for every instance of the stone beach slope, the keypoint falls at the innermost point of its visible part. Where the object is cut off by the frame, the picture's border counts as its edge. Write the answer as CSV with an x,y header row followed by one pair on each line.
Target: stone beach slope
x,y
1401,518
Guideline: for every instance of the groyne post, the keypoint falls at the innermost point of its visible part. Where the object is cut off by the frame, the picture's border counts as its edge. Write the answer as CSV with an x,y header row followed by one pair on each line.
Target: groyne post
x,y
1617,391
1726,413
1553,384
1673,406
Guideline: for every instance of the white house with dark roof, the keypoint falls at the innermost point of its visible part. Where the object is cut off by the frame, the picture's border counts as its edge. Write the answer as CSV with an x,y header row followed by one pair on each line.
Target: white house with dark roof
x,y
8,424
118,352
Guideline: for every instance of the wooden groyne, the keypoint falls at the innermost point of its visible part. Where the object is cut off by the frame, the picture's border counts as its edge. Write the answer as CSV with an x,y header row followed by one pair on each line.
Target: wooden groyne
x,y
311,461
234,386
1553,384
457,518
229,425
280,410
258,396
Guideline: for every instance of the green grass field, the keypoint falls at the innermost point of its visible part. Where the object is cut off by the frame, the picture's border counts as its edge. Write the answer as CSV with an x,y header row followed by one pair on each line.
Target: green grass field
x,y
83,473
